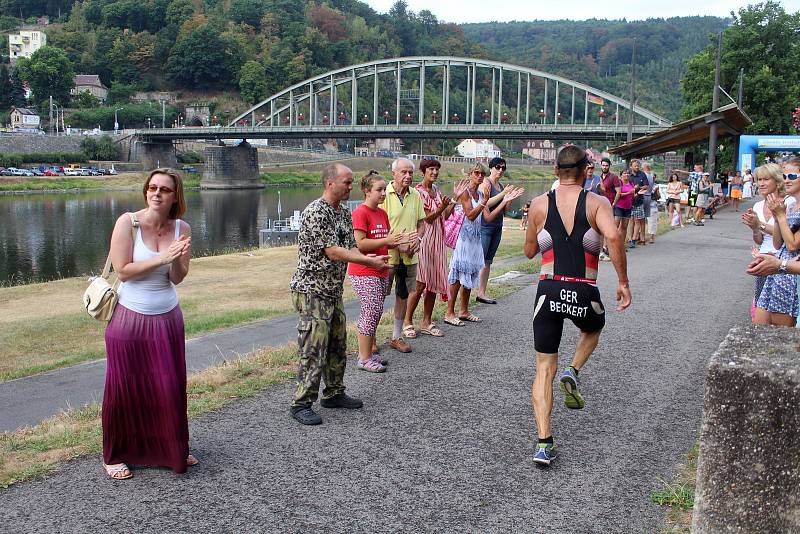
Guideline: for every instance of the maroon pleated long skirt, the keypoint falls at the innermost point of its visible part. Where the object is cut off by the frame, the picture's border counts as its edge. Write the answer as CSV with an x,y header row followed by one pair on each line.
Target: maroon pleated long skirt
x,y
144,402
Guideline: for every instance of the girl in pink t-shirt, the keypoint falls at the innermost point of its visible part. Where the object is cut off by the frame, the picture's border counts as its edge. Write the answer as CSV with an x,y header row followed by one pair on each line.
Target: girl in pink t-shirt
x,y
623,203
372,233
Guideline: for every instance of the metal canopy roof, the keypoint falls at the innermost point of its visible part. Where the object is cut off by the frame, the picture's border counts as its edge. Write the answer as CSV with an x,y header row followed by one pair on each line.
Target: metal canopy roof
x,y
730,119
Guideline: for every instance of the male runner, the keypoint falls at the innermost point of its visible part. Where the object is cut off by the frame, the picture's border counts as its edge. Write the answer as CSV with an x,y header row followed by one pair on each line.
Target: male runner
x,y
567,226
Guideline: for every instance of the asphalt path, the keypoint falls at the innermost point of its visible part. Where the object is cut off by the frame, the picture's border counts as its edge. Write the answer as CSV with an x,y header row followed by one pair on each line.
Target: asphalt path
x,y
445,439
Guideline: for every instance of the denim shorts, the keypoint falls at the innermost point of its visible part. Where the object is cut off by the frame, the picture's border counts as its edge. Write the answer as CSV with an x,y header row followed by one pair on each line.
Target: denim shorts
x,y
490,240
622,213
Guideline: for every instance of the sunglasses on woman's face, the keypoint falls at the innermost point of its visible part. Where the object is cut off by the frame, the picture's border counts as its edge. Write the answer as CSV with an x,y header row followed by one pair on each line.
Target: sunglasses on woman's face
x,y
791,176
500,167
163,189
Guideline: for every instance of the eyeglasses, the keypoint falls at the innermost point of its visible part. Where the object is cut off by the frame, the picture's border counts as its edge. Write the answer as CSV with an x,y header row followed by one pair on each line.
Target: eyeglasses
x,y
479,173
791,176
500,167
165,190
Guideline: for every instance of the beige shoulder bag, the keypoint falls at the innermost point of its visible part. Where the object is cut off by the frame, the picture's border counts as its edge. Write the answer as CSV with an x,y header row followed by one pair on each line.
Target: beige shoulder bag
x,y
101,297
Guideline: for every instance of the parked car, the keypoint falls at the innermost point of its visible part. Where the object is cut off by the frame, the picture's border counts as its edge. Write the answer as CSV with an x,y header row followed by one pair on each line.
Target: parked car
x,y
37,172
50,172
72,172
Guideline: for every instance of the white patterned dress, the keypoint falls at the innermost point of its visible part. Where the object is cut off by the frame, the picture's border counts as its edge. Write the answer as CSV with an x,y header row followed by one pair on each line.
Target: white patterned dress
x,y
467,260
779,294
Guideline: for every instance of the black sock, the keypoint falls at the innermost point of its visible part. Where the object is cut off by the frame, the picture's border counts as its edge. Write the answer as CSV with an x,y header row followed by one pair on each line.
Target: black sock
x,y
549,440
576,371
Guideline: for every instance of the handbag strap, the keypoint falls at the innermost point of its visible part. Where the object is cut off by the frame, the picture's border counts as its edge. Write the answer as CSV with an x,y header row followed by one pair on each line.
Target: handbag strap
x,y
134,226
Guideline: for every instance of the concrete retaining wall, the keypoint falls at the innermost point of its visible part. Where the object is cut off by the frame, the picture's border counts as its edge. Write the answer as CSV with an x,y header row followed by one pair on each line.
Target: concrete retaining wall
x,y
29,144
748,474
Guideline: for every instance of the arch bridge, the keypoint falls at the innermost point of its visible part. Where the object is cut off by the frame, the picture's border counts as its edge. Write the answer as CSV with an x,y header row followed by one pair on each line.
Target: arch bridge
x,y
433,97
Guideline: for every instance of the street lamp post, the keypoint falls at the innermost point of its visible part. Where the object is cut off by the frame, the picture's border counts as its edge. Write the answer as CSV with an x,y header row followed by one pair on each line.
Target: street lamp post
x,y
116,122
542,115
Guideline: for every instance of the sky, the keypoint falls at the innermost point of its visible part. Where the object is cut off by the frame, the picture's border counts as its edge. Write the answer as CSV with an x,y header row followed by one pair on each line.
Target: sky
x,y
505,10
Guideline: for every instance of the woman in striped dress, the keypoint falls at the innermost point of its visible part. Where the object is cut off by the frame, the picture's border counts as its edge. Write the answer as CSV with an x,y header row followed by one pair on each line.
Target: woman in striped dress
x,y
432,266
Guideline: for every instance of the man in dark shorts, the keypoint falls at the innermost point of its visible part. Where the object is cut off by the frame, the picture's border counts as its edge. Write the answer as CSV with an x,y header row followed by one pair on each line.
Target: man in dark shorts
x,y
567,226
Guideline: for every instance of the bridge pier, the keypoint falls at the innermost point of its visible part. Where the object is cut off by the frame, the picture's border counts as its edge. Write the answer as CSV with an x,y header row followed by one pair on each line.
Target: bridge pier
x,y
231,167
156,154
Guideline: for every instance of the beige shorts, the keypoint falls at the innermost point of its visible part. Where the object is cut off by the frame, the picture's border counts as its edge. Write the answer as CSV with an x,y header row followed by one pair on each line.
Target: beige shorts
x,y
410,281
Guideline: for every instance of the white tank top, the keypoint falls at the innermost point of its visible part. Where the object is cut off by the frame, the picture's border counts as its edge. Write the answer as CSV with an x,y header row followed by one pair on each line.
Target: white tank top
x,y
152,293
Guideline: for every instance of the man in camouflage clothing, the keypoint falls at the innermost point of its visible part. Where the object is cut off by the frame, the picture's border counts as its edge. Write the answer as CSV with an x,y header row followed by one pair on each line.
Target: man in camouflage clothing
x,y
325,245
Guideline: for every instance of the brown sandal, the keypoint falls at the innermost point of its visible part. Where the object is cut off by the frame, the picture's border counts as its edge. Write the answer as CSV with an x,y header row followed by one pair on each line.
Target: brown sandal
x,y
191,461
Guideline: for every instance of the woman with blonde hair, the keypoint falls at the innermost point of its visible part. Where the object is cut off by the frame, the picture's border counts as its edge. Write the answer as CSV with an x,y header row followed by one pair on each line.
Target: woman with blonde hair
x,y
759,218
467,260
144,402
778,302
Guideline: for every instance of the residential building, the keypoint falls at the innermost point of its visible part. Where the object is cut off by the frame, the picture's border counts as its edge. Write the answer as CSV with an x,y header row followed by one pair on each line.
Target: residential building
x,y
481,149
540,150
24,119
25,43
91,83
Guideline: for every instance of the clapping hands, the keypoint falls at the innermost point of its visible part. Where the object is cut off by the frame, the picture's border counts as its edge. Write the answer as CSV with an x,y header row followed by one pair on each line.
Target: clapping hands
x,y
513,192
776,205
460,187
177,249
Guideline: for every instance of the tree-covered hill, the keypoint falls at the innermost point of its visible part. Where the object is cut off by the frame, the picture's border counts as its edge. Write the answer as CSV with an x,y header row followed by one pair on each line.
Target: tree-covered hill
x,y
598,52
256,47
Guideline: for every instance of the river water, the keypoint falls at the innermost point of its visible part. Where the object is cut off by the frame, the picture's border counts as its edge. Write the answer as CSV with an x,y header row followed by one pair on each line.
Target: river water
x,y
51,236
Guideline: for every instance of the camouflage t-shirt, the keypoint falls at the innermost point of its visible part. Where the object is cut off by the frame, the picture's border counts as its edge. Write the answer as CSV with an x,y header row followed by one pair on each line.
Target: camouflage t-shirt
x,y
322,226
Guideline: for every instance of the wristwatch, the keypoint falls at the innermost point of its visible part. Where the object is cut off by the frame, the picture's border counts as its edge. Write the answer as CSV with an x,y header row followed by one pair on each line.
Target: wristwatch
x,y
763,227
782,268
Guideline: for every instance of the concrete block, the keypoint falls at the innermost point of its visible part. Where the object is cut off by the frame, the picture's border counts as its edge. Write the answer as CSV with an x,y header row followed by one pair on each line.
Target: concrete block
x,y
748,475
231,167
158,155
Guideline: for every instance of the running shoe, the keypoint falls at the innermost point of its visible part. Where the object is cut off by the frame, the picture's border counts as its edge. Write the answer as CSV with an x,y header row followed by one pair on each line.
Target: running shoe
x,y
604,257
370,365
569,385
545,453
632,244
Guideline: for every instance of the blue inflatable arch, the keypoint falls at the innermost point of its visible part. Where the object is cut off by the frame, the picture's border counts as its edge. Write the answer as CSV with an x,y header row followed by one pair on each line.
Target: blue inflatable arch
x,y
750,144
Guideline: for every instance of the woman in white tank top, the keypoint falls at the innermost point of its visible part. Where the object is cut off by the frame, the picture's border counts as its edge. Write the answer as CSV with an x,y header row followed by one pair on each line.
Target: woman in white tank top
x,y
144,402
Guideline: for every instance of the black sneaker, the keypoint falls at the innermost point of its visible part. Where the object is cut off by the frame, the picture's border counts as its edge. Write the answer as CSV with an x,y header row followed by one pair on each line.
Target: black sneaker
x,y
342,401
305,415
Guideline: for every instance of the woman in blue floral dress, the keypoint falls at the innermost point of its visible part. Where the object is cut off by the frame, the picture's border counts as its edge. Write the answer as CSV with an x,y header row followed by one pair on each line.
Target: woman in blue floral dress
x,y
778,302
467,260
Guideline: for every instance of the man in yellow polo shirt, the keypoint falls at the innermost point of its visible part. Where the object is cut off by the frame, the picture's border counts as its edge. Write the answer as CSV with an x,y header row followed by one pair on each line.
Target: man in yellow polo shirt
x,y
406,214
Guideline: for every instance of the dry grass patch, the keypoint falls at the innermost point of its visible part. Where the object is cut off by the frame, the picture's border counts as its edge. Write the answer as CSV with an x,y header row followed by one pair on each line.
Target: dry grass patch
x,y
43,326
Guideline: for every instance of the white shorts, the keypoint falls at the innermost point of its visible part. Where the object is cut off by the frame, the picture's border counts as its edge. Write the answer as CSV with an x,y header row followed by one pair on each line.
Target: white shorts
x,y
652,221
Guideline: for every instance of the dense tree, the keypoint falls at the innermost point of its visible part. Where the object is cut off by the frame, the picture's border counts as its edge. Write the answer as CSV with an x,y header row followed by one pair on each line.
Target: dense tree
x,y
17,91
253,82
762,40
247,11
5,88
102,149
179,11
203,59
49,72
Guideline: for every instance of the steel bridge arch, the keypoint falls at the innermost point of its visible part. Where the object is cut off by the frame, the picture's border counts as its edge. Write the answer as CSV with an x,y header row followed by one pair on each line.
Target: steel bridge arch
x,y
287,102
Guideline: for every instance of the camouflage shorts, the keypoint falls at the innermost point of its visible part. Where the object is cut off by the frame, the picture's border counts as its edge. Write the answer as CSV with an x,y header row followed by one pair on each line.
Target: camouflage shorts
x,y
322,347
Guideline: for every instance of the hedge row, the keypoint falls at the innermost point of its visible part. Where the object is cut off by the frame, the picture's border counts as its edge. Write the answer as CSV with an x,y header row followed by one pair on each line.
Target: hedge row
x,y
17,160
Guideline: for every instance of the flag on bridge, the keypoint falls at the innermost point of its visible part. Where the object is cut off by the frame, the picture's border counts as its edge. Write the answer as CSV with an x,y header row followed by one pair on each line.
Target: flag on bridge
x,y
594,99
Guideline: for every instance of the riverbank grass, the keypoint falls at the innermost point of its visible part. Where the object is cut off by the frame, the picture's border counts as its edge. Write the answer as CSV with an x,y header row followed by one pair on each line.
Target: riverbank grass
x,y
44,327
